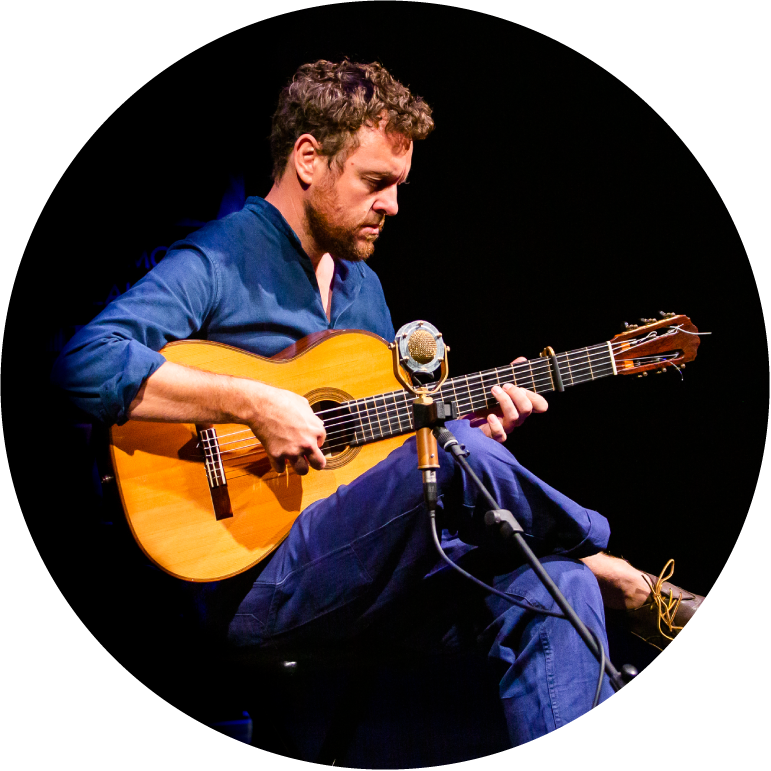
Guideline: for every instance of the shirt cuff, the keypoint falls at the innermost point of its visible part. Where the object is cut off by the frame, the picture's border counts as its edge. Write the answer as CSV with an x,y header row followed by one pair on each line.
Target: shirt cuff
x,y
117,393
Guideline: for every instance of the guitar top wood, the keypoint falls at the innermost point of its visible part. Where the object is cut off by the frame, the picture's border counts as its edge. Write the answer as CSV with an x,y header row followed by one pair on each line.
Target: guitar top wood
x,y
162,476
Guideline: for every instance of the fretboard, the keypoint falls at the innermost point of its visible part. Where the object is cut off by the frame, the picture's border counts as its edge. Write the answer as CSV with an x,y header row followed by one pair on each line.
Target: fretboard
x,y
379,417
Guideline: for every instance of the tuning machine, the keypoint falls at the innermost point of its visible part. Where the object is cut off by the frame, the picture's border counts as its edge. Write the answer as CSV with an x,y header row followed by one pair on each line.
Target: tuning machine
x,y
629,327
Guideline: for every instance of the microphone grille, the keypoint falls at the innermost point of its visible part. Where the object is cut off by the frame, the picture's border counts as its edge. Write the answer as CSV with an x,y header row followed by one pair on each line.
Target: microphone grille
x,y
422,346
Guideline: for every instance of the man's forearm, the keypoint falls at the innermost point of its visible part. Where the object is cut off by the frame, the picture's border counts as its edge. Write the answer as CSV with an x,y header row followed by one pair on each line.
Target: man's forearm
x,y
175,393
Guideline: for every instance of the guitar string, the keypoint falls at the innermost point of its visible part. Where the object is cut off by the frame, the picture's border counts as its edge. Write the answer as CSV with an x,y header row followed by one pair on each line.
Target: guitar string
x,y
537,366
364,412
466,406
476,385
392,412
232,463
328,448
331,448
479,379
375,432
379,414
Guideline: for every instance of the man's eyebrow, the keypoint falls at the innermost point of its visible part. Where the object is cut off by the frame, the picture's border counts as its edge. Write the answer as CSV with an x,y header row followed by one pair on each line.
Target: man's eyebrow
x,y
385,174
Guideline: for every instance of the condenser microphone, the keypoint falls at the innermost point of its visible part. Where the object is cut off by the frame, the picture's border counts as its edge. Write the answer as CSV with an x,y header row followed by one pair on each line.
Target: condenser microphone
x,y
421,349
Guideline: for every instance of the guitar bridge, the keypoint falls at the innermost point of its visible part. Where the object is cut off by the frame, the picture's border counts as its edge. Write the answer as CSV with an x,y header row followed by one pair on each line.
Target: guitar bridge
x,y
215,472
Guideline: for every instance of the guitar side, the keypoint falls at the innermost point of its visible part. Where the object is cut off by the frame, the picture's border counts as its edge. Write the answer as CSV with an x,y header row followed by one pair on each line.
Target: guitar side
x,y
161,474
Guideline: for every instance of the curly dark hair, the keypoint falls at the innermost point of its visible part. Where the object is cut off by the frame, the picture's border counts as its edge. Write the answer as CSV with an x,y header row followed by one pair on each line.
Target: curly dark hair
x,y
333,101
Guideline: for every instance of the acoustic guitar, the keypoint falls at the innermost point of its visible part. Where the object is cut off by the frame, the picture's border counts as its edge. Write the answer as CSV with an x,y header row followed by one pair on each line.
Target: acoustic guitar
x,y
203,501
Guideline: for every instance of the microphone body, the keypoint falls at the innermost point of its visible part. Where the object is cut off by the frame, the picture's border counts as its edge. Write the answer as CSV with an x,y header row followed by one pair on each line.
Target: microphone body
x,y
428,459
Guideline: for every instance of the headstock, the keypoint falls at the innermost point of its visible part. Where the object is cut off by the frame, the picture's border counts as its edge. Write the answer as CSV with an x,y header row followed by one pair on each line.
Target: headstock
x,y
672,341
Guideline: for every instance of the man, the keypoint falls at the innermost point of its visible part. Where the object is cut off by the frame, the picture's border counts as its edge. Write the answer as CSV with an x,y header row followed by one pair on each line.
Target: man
x,y
293,264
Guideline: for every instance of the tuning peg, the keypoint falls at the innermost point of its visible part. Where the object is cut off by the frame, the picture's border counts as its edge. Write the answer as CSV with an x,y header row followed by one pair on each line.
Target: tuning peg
x,y
665,315
628,326
647,321
643,374
660,371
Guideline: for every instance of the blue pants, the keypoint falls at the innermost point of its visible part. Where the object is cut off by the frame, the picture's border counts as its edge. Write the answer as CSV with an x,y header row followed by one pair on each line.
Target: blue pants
x,y
366,553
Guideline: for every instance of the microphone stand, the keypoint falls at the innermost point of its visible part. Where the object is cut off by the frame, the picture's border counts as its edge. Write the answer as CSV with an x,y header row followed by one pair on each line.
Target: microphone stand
x,y
509,528
418,349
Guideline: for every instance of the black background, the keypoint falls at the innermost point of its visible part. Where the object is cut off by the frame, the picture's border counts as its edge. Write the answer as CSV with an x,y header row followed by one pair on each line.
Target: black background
x,y
549,205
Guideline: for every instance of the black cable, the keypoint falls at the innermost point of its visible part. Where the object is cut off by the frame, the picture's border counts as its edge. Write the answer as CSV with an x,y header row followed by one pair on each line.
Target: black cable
x,y
525,605
518,603
602,669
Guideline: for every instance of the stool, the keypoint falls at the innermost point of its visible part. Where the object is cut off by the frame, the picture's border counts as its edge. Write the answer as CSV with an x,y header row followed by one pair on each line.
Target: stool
x,y
262,676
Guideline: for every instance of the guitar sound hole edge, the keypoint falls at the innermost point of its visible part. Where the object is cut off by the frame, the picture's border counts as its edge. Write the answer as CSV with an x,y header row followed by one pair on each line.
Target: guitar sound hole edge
x,y
340,425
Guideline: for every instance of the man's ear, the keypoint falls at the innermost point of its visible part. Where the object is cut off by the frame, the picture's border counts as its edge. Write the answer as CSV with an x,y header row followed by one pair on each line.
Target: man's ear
x,y
305,156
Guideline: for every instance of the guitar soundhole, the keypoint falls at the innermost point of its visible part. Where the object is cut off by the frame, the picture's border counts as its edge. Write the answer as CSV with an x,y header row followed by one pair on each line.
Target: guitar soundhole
x,y
339,424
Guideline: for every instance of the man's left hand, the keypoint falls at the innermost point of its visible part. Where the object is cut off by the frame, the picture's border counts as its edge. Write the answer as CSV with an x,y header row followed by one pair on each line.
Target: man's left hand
x,y
515,405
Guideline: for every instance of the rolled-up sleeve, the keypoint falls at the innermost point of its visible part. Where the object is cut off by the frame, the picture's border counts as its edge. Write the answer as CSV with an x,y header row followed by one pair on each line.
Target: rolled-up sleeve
x,y
103,366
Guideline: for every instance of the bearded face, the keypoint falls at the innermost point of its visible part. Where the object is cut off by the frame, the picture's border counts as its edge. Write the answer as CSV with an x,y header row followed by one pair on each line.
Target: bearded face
x,y
341,233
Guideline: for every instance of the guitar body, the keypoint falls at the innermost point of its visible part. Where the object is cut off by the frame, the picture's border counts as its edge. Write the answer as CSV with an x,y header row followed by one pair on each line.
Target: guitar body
x,y
162,477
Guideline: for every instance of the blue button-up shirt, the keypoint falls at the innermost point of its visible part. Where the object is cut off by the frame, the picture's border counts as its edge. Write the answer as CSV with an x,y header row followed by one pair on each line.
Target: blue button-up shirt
x,y
244,280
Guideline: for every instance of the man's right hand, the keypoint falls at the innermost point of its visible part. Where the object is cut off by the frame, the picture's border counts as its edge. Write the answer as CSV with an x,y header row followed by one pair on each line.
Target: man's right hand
x,y
289,430
283,421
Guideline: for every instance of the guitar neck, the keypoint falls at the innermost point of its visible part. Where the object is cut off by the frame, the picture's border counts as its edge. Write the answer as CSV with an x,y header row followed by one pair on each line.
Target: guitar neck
x,y
378,417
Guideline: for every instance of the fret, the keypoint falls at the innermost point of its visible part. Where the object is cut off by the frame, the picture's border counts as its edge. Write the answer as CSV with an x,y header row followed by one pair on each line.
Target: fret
x,y
454,383
589,361
549,372
523,379
379,418
406,410
455,393
470,397
444,392
532,378
567,374
384,417
579,365
476,391
392,411
361,435
489,379
373,418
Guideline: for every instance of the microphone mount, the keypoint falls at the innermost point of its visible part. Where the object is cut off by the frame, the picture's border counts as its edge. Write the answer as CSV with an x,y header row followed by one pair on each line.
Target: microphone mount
x,y
419,350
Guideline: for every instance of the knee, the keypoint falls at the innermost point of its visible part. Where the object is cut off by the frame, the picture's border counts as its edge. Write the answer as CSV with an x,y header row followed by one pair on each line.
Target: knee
x,y
479,445
576,582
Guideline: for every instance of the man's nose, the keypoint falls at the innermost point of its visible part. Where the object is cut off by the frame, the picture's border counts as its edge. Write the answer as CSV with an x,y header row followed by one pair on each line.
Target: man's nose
x,y
386,202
